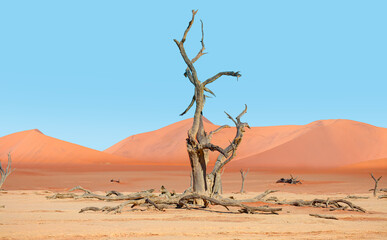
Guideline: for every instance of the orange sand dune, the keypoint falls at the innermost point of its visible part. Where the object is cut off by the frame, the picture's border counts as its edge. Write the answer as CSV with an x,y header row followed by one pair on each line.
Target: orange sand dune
x,y
375,166
34,149
320,144
326,144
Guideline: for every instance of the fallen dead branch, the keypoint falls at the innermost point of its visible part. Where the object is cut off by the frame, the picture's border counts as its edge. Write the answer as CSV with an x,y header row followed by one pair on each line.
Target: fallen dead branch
x,y
226,202
62,196
357,197
110,196
337,204
323,216
154,204
382,196
162,201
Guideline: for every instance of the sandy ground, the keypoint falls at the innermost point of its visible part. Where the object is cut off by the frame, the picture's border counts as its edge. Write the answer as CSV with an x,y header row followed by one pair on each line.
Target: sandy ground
x,y
29,215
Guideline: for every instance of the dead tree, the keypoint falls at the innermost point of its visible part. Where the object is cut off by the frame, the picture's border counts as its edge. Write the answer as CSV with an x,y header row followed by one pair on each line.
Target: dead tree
x,y
375,189
290,180
198,140
7,172
243,175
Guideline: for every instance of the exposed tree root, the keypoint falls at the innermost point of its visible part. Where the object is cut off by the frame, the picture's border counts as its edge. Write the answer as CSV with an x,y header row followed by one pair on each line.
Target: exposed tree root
x,y
324,216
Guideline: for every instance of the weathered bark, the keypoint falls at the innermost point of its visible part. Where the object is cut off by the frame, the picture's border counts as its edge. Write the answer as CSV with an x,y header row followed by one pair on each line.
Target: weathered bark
x,y
243,175
198,142
5,173
375,189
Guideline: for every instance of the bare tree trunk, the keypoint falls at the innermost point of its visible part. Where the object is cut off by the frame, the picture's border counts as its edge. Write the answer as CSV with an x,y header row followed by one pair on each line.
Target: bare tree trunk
x,y
198,143
243,175
7,172
375,189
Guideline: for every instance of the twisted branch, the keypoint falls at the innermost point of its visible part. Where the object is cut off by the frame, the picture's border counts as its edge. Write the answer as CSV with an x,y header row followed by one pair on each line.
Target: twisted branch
x,y
214,78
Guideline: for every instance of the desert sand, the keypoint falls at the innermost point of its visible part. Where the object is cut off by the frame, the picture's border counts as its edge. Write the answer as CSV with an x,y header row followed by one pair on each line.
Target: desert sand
x,y
29,215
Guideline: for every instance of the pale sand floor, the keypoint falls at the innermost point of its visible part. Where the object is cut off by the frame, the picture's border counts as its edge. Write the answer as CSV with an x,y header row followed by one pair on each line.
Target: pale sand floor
x,y
29,215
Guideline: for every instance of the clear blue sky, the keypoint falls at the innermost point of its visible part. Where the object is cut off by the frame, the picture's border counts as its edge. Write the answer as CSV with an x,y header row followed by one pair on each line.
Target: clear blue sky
x,y
96,72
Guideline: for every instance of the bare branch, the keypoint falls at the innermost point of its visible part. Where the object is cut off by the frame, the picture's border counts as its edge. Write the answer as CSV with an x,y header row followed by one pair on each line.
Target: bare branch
x,y
209,91
210,80
232,119
213,147
200,53
217,130
180,45
242,113
219,164
189,26
190,105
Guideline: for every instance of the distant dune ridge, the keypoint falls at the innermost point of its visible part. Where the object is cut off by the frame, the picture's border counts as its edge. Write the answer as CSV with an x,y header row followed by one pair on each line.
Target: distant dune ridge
x,y
342,144
318,145
33,149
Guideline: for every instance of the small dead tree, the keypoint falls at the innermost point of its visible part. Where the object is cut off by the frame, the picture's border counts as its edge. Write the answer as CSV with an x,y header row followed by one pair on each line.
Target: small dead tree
x,y
7,172
243,175
198,140
375,189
